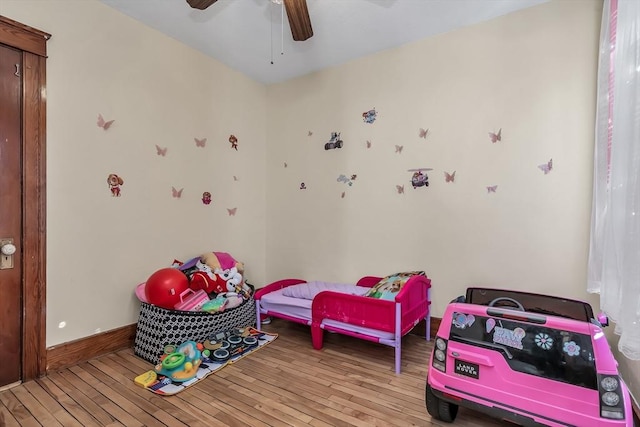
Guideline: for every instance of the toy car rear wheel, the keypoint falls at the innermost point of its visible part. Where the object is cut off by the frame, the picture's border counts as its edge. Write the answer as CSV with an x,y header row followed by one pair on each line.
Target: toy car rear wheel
x,y
438,408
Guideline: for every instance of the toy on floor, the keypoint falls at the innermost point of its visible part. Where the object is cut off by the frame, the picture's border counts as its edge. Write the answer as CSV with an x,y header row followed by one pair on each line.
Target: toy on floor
x,y
181,364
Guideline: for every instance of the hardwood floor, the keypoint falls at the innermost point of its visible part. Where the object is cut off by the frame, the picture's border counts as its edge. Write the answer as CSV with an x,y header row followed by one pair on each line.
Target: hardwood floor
x,y
349,382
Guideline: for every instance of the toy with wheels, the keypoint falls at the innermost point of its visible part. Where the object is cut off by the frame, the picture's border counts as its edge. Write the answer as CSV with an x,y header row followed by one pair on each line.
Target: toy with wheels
x,y
164,287
181,364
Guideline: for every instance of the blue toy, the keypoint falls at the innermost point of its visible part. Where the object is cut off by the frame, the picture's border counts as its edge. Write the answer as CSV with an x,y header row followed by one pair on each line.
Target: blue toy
x,y
181,364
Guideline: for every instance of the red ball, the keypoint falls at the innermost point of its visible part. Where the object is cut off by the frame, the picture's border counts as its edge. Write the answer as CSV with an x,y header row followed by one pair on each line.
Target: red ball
x,y
163,288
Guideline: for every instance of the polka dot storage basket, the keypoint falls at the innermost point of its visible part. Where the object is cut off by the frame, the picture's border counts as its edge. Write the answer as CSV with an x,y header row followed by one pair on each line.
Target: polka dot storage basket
x,y
158,327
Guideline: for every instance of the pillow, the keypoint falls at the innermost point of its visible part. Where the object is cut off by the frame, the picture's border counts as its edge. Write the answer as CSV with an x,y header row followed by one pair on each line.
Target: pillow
x,y
309,290
389,286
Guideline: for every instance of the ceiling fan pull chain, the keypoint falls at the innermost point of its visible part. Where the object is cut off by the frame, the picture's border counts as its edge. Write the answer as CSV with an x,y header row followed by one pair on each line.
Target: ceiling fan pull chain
x,y
271,29
282,32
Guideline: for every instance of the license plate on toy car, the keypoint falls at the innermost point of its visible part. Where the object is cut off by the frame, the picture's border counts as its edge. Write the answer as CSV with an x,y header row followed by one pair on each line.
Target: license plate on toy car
x,y
467,369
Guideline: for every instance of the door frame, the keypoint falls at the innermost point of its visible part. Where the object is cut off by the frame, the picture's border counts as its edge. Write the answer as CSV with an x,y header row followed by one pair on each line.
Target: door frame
x,y
33,43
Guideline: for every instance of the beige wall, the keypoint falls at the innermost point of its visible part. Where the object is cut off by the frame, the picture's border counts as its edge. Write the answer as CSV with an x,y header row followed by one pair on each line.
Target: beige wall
x,y
531,73
159,92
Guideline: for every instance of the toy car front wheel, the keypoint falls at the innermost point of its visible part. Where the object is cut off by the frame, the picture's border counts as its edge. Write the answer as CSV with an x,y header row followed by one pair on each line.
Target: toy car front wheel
x,y
438,408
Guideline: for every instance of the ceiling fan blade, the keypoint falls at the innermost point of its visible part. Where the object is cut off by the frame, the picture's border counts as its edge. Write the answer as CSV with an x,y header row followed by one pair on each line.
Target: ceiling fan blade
x,y
201,4
299,20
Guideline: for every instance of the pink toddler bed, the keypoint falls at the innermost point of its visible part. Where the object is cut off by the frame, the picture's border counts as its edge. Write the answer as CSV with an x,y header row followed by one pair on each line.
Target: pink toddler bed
x,y
344,308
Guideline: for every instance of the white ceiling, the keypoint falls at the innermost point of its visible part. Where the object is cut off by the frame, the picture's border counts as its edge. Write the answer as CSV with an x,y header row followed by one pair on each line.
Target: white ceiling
x,y
247,34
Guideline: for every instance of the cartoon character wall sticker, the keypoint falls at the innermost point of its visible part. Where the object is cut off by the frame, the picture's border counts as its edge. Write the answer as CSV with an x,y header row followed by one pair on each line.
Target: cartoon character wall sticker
x,y
334,142
419,177
206,198
114,182
369,116
234,142
343,178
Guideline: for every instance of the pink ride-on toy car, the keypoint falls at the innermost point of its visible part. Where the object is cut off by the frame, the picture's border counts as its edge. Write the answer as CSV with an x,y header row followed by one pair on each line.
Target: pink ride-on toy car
x,y
533,360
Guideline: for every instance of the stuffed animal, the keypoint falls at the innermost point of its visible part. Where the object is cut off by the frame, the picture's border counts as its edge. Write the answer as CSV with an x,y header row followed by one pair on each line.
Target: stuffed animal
x,y
217,273
205,279
221,261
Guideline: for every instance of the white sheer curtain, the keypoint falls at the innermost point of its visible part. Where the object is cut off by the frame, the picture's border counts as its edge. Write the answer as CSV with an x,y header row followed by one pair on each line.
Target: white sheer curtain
x,y
614,256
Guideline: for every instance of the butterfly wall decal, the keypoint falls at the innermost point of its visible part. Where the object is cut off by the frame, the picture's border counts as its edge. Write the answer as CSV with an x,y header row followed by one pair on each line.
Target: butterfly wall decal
x,y
546,167
161,151
449,177
400,189
176,193
342,196
104,124
309,133
495,137
235,178
399,148
303,186
492,189
368,144
423,133
200,142
232,211
285,164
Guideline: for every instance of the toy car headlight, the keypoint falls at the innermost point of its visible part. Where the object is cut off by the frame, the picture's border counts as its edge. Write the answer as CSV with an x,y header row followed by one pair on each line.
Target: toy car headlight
x,y
610,398
609,383
439,354
440,344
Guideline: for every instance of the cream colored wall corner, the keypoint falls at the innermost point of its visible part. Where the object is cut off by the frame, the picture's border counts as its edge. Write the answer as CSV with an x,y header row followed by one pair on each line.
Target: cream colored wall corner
x,y
531,73
160,93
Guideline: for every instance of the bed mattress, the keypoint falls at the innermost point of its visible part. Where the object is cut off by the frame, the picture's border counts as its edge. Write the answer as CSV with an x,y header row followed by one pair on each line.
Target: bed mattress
x,y
301,308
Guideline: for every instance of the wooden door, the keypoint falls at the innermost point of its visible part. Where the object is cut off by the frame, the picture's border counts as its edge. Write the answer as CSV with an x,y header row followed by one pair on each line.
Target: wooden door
x,y
23,205
10,215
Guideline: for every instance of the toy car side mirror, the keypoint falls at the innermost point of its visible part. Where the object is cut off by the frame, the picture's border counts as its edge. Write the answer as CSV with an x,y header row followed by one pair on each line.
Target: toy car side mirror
x,y
603,319
461,298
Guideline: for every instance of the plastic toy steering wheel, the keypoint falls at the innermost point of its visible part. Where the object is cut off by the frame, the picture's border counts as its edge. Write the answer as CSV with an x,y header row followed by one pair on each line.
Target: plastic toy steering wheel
x,y
511,300
173,360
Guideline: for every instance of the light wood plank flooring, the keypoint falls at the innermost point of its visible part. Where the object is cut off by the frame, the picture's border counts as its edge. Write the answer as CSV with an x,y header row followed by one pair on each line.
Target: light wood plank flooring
x,y
349,382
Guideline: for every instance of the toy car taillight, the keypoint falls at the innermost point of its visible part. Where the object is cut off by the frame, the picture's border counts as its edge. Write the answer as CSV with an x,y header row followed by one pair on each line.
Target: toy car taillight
x,y
610,398
609,383
439,355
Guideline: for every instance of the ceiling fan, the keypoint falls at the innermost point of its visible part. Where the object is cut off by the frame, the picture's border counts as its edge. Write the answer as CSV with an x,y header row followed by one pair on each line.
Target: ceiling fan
x,y
297,13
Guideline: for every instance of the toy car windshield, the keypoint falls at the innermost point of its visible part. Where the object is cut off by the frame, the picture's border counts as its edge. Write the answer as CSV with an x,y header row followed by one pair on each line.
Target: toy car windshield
x,y
533,303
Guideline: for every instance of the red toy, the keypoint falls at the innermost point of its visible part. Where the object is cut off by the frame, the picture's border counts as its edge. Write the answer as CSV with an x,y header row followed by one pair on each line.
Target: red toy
x,y
163,288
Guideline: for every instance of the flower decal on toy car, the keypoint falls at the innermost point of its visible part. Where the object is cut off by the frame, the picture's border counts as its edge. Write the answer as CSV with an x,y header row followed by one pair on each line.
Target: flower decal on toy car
x,y
571,348
543,341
